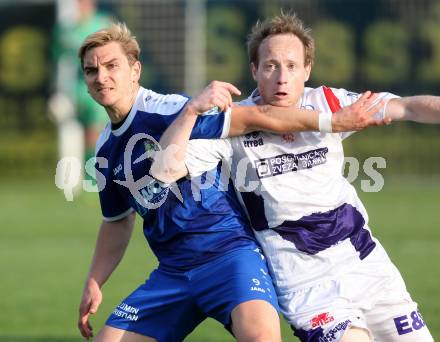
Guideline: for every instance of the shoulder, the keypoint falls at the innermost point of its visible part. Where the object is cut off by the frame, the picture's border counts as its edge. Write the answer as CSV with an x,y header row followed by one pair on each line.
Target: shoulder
x,y
334,98
246,102
252,100
326,91
103,138
163,104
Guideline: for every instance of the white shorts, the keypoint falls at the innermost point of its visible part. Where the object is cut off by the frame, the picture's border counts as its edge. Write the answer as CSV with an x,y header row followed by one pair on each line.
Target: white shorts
x,y
326,315
330,296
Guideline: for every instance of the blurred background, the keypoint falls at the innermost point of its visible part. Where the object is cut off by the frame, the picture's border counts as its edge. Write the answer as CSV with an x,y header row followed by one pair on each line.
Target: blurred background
x,y
46,242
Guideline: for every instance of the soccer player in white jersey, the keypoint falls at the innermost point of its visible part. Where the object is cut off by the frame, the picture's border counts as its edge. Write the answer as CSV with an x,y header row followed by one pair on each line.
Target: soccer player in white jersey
x,y
334,280
194,241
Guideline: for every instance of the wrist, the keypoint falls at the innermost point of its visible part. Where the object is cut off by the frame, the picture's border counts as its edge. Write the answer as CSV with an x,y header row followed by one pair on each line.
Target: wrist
x,y
92,282
192,110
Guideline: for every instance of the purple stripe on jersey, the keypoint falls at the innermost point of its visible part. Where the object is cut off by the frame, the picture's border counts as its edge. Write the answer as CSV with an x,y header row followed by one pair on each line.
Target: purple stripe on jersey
x,y
317,232
255,205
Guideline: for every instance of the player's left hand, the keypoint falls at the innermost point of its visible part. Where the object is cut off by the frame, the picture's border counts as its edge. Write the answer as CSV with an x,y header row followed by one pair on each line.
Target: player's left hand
x,y
90,301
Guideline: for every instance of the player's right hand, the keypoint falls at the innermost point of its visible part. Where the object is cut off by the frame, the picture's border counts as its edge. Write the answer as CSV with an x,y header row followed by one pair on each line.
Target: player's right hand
x,y
90,301
360,114
216,94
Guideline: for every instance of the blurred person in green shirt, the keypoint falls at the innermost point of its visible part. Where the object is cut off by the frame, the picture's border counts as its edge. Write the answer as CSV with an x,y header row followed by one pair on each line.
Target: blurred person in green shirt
x,y
78,117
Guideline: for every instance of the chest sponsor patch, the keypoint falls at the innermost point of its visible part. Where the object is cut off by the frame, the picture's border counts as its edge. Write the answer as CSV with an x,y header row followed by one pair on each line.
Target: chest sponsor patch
x,y
289,162
253,139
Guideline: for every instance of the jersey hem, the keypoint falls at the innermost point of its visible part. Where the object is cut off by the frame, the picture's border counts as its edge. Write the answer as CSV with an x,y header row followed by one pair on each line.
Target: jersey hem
x,y
118,217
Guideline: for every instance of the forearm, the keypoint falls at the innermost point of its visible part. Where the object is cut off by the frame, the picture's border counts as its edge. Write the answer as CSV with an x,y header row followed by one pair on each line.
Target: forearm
x,y
168,163
246,119
112,241
179,132
424,109
354,117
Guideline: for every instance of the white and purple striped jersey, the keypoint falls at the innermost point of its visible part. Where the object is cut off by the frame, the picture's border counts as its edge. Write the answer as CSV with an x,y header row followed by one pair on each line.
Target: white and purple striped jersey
x,y
182,231
294,192
330,273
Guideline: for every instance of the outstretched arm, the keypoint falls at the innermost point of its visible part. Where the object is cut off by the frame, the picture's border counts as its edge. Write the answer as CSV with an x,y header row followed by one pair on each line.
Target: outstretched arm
x,y
423,108
111,244
355,117
169,164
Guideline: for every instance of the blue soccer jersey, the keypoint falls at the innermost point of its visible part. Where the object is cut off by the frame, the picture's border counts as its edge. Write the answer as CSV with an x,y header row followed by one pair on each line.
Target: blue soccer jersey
x,y
186,225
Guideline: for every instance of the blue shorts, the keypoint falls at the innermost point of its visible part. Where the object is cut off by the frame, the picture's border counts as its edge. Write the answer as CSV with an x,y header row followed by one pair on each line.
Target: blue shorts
x,y
169,305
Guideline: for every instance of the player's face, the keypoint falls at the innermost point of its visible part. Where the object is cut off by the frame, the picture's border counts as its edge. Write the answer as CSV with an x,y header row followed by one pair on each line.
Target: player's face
x,y
281,73
111,80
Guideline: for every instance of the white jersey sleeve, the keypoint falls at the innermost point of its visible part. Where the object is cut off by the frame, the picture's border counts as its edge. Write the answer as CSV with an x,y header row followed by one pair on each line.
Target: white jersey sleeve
x,y
205,154
336,98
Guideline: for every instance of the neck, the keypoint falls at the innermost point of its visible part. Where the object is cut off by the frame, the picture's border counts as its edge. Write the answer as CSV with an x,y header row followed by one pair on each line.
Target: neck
x,y
119,112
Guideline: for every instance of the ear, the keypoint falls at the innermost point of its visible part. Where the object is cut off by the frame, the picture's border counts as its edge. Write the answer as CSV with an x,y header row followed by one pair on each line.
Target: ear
x,y
136,71
308,69
254,71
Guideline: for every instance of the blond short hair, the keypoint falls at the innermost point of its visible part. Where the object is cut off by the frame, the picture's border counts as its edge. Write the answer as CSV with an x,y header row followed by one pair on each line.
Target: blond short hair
x,y
119,33
281,24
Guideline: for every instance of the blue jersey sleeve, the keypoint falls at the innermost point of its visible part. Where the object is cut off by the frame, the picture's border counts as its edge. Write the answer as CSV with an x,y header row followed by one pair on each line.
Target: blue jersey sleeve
x,y
160,111
212,125
113,206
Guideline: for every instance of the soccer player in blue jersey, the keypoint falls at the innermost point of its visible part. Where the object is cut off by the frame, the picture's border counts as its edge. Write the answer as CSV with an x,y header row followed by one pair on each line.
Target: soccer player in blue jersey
x,y
209,262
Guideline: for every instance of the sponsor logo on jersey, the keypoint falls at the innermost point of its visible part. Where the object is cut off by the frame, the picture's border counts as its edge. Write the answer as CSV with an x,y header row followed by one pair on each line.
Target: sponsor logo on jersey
x,y
253,140
148,192
155,192
335,333
321,319
117,169
150,147
408,323
289,162
252,135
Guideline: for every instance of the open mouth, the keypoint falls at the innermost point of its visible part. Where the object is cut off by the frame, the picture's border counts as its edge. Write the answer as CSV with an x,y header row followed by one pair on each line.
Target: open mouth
x,y
280,94
104,90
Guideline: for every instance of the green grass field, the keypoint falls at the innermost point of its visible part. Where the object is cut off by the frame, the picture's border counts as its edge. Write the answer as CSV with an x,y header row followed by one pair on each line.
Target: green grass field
x,y
46,245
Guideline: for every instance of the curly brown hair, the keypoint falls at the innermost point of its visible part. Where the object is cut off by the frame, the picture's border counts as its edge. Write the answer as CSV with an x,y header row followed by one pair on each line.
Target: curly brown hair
x,y
280,24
